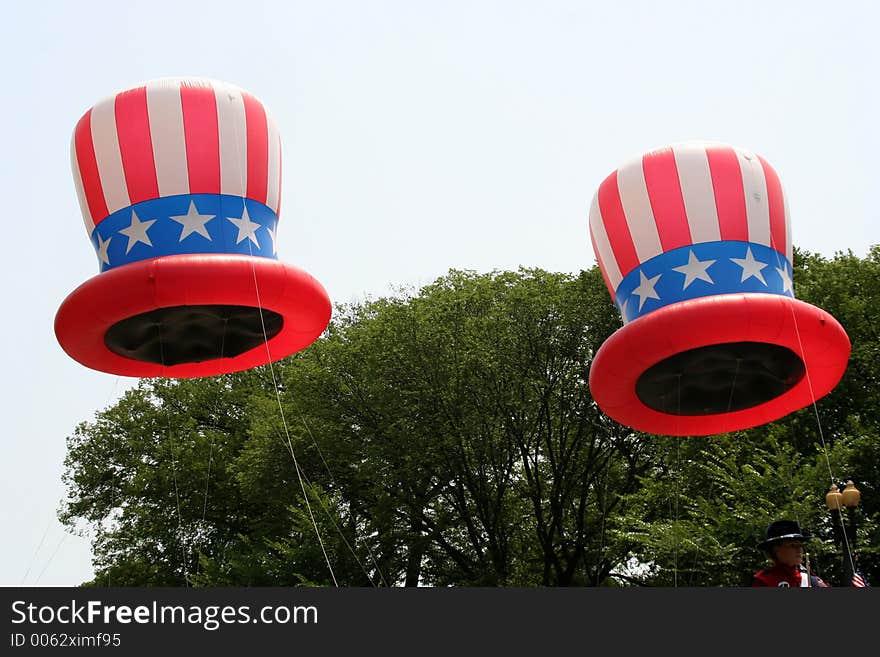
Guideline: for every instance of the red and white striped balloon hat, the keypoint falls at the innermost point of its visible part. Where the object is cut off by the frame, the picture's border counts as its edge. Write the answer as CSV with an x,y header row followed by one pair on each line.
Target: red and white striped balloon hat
x,y
694,244
179,183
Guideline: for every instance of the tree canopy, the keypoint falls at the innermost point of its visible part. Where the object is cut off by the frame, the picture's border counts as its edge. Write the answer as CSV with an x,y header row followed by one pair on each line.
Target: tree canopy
x,y
446,436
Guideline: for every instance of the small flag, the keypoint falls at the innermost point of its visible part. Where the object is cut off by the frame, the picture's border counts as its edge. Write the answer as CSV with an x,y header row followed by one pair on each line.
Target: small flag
x,y
859,581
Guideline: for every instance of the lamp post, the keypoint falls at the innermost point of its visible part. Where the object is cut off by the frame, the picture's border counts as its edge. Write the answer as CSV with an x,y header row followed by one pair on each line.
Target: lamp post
x,y
844,532
834,502
851,498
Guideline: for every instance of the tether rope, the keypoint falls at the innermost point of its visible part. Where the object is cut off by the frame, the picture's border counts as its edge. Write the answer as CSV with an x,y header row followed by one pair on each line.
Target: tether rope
x,y
302,418
39,545
809,379
299,474
229,99
173,446
51,558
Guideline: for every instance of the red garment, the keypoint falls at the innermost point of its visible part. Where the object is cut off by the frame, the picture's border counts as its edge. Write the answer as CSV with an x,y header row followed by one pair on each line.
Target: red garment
x,y
786,577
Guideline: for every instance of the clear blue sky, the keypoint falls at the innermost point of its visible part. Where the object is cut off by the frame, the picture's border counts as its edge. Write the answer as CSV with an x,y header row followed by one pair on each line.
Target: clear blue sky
x,y
418,136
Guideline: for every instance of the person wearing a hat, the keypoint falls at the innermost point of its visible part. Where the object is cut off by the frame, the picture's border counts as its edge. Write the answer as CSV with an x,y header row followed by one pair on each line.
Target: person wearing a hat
x,y
784,545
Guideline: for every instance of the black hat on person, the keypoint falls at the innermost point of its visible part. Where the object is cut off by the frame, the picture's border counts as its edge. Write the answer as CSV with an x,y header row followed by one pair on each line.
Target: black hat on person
x,y
783,530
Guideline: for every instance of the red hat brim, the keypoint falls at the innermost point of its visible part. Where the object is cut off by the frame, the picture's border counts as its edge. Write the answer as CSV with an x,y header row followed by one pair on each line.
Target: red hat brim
x,y
191,280
811,333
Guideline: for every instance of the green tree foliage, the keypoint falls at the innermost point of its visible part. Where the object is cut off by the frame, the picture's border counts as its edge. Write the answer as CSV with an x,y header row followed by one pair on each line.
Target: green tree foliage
x,y
447,436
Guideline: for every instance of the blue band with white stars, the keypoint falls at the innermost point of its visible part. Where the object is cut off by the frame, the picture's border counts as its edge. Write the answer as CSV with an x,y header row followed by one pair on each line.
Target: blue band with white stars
x,y
187,223
701,270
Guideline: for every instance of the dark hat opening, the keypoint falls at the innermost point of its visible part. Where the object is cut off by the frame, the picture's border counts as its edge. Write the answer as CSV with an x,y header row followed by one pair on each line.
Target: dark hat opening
x,y
192,334
720,378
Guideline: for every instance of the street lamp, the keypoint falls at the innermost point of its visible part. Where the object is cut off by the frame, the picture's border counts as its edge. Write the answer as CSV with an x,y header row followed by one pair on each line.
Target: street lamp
x,y
851,495
844,532
834,498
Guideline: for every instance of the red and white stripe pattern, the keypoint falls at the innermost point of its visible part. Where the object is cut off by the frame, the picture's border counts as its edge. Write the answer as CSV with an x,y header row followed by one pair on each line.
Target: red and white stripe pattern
x,y
682,195
175,136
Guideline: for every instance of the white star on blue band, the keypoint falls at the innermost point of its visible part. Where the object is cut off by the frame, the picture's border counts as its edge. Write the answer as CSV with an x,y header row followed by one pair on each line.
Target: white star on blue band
x,y
187,223
700,270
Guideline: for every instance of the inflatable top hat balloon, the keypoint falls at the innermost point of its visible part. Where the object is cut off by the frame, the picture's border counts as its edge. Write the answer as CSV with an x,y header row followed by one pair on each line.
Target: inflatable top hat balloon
x,y
179,182
694,244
